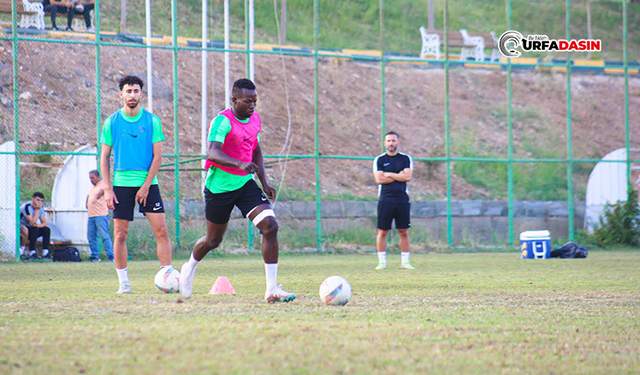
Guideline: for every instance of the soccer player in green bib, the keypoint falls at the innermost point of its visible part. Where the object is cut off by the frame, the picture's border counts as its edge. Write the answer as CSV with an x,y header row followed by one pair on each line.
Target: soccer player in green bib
x,y
233,156
135,136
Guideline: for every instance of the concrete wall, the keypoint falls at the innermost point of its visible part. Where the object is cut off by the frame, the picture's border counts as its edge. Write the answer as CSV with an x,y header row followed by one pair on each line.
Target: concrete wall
x,y
482,221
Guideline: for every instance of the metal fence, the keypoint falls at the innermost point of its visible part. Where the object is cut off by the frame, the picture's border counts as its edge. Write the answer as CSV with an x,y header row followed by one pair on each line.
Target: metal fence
x,y
181,182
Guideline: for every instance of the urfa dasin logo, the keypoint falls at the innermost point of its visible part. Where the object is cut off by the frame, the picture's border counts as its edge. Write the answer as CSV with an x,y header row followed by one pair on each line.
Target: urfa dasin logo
x,y
543,43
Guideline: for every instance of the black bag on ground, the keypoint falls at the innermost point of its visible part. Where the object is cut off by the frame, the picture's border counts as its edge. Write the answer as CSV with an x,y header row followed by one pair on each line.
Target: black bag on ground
x,y
569,250
66,254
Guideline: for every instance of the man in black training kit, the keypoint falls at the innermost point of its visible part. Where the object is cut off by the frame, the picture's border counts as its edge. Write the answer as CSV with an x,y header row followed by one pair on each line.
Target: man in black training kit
x,y
234,155
392,170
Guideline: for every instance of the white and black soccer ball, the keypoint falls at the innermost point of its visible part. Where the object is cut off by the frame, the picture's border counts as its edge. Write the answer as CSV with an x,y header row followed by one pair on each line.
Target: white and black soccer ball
x,y
168,280
335,290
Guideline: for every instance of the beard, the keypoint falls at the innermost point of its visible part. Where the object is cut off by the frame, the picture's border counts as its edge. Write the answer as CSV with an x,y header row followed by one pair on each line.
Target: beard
x,y
132,104
392,148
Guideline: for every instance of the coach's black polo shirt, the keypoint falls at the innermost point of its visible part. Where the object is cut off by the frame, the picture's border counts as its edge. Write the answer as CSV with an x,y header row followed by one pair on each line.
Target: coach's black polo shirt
x,y
395,191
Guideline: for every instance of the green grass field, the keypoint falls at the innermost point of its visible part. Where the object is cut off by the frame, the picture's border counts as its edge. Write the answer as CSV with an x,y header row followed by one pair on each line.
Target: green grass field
x,y
490,313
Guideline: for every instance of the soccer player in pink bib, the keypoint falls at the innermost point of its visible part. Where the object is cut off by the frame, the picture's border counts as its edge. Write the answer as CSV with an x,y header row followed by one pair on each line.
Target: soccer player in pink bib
x,y
233,156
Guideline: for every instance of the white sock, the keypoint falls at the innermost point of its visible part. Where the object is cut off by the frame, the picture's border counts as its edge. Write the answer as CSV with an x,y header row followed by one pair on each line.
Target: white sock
x,y
271,272
167,266
405,257
382,256
45,252
32,252
191,264
22,248
123,275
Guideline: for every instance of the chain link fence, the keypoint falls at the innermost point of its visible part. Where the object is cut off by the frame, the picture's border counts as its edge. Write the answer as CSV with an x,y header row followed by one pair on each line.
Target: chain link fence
x,y
483,140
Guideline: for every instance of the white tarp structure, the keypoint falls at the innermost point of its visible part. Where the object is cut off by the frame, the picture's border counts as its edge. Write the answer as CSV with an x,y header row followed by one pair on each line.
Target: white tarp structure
x,y
607,184
7,201
69,196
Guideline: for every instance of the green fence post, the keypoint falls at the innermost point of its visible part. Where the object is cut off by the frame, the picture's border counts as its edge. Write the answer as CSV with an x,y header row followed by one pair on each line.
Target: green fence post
x,y
569,135
383,83
246,41
16,122
626,90
176,138
98,89
510,136
248,73
446,122
316,21
98,96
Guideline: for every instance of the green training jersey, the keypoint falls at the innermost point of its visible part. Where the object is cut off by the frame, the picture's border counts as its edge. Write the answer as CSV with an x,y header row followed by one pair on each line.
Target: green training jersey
x,y
219,181
131,178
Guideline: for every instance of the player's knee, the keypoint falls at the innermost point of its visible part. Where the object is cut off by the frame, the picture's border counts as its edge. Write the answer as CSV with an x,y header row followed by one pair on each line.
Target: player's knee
x,y
212,242
162,232
403,232
382,233
270,227
121,235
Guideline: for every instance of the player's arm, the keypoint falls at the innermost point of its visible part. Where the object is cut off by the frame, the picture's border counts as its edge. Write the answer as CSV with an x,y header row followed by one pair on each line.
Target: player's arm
x,y
43,220
216,155
218,131
143,192
105,164
402,176
157,138
155,164
382,178
30,219
262,174
378,173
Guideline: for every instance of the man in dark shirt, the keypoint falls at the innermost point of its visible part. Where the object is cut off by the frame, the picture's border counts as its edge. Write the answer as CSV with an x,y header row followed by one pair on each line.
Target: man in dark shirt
x,y
59,6
392,170
33,217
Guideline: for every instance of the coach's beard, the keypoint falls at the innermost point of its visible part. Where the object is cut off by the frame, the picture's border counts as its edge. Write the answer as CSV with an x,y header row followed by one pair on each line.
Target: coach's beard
x,y
132,104
392,148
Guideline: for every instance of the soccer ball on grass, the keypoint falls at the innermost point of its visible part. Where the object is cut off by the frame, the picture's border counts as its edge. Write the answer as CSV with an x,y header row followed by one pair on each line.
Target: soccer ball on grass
x,y
335,290
168,280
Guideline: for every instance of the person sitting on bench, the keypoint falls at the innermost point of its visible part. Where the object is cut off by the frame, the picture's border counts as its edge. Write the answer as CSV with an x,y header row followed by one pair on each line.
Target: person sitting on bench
x,y
33,217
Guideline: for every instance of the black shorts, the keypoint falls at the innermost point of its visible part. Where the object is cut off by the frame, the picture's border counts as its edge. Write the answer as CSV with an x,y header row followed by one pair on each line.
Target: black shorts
x,y
127,201
218,207
398,211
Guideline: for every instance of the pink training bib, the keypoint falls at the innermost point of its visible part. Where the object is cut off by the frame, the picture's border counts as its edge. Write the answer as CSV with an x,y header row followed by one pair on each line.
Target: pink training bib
x,y
241,141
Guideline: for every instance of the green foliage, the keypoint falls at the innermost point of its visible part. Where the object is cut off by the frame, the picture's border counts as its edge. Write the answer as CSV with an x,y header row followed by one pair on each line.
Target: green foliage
x,y
620,223
35,178
355,24
288,194
43,158
534,181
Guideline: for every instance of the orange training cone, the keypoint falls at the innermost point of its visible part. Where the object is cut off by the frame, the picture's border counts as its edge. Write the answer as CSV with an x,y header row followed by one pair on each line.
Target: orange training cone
x,y
222,286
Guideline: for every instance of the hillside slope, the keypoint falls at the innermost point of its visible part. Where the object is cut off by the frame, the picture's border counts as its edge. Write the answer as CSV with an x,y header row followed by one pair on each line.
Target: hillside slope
x,y
58,106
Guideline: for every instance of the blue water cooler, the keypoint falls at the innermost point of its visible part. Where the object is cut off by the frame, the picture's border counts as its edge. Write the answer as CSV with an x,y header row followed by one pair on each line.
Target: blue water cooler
x,y
535,244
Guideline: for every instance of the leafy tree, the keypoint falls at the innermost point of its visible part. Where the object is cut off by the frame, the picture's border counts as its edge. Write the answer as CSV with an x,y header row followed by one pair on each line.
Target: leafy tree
x,y
620,223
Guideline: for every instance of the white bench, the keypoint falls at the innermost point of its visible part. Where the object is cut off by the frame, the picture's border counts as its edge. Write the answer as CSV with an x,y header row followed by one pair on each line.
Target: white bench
x,y
78,20
477,51
32,14
472,45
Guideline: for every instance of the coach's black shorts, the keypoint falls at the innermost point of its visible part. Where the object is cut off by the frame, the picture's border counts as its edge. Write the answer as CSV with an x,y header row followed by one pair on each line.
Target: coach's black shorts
x,y
127,201
398,211
218,207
